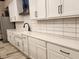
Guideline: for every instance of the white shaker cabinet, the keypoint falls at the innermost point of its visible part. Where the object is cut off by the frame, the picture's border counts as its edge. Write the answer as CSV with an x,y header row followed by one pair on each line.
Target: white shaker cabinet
x,y
59,52
54,55
9,36
53,7
62,9
15,7
19,6
37,49
12,11
25,44
41,9
32,7
70,7
18,42
13,38
41,52
32,51
37,9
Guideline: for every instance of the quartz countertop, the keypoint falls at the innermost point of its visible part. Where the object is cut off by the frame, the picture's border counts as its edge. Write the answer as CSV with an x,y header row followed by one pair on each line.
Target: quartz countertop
x,y
54,39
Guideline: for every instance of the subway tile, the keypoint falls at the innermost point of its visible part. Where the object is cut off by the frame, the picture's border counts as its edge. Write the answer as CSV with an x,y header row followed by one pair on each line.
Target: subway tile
x,y
77,34
50,27
70,30
58,21
70,21
58,25
77,20
77,30
70,25
58,29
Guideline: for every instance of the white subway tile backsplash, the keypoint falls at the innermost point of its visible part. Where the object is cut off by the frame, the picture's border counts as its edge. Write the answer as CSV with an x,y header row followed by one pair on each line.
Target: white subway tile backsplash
x,y
67,27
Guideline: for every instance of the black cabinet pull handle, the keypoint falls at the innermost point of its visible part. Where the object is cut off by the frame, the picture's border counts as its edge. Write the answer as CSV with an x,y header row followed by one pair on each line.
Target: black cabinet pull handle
x,y
64,52
58,9
36,14
61,9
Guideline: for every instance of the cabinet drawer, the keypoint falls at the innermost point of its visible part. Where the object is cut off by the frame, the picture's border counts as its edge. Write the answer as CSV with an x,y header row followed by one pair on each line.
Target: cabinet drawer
x,y
37,41
62,50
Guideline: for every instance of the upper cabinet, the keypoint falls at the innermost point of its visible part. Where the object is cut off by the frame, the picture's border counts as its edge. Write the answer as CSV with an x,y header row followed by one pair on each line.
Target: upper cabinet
x,y
43,9
70,7
11,11
19,6
32,4
37,9
53,8
15,7
62,8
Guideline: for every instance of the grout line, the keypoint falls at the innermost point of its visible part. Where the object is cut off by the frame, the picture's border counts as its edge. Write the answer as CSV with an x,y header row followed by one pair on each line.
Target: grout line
x,y
76,28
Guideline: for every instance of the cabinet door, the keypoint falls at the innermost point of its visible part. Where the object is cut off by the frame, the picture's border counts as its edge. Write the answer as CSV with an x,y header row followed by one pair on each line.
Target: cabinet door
x,y
32,7
25,45
12,38
19,6
20,45
12,8
16,42
8,36
36,50
71,7
41,52
54,55
53,8
32,51
41,9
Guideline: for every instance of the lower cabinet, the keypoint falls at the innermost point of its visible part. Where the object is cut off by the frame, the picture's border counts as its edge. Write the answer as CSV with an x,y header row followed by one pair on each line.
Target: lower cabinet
x,y
54,55
9,36
21,42
37,48
13,38
25,44
58,52
18,43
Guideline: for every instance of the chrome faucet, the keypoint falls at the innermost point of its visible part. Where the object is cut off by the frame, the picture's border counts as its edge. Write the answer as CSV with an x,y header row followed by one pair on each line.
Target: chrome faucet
x,y
29,29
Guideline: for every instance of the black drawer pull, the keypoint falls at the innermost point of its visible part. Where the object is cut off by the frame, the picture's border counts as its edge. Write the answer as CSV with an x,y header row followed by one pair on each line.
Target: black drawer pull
x,y
64,52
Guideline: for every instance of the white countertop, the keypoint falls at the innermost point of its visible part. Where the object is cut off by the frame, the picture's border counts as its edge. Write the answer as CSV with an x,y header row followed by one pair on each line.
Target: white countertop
x,y
56,39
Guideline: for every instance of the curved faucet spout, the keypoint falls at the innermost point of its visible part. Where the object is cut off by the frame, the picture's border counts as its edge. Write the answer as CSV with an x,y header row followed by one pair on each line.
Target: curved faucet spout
x,y
29,29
